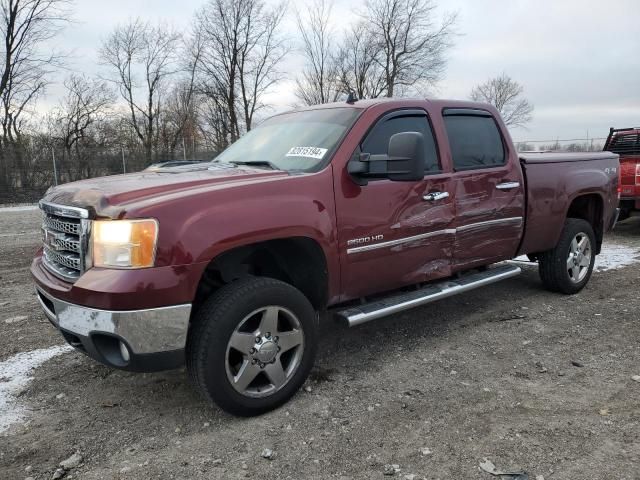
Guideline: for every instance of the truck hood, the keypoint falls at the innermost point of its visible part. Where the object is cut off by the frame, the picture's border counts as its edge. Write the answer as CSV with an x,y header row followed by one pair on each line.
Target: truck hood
x,y
112,196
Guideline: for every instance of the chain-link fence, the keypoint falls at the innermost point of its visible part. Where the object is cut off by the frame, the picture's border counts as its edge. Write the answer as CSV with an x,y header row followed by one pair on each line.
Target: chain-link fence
x,y
27,174
561,145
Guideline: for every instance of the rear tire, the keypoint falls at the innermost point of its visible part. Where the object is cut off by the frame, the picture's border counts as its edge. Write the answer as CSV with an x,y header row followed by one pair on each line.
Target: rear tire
x,y
567,268
624,214
252,345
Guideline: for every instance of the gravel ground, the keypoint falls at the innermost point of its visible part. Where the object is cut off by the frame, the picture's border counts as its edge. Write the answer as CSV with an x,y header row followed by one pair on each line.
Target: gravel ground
x,y
530,380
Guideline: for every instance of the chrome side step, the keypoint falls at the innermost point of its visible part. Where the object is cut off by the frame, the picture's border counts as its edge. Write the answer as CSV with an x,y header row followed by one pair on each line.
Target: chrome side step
x,y
358,314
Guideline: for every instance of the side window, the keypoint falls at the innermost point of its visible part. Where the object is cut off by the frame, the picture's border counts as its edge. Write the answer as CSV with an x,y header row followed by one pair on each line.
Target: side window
x,y
377,141
475,141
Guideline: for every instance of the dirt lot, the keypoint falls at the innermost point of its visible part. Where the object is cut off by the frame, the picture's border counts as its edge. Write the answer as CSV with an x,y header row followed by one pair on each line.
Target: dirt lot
x,y
484,375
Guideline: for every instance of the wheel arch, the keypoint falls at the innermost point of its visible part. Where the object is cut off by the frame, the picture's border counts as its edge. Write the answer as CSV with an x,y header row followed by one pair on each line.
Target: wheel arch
x,y
299,261
589,207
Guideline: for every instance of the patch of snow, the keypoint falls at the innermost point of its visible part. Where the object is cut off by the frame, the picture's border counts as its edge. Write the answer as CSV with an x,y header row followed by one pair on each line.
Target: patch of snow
x,y
16,319
15,375
612,256
19,208
21,234
615,256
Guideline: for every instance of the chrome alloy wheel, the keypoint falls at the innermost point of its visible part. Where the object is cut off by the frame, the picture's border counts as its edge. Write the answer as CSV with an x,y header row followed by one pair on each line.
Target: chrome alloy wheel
x,y
579,258
264,351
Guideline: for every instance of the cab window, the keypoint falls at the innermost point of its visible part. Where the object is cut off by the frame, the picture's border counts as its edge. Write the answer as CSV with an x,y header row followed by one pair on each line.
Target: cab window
x,y
475,141
377,141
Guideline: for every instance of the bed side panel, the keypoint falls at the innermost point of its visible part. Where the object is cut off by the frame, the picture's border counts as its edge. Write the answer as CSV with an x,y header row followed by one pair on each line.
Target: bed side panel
x,y
551,187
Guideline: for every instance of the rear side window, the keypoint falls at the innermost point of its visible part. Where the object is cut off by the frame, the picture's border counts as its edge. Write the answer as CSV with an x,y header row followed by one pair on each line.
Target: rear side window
x,y
377,141
475,141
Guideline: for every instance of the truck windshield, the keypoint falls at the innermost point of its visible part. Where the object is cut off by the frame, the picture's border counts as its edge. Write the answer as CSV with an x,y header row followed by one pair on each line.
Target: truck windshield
x,y
298,141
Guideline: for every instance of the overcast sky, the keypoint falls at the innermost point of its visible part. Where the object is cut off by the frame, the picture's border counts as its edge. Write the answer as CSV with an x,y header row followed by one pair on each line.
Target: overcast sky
x,y
578,60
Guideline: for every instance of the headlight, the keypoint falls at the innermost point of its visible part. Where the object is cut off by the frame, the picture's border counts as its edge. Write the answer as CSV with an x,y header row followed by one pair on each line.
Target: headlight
x,y
124,243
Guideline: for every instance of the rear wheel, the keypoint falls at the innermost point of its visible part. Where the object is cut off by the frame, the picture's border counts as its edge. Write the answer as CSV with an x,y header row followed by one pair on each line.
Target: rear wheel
x,y
252,345
568,267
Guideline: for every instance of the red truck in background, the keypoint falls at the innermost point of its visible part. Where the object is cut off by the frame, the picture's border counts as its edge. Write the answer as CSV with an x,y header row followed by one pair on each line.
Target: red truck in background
x,y
626,143
356,210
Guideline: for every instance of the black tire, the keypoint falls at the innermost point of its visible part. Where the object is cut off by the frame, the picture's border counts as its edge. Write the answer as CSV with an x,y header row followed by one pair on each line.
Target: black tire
x,y
553,263
624,214
219,317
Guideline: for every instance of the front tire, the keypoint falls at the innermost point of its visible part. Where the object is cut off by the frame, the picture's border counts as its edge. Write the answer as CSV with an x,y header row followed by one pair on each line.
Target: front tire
x,y
252,345
567,268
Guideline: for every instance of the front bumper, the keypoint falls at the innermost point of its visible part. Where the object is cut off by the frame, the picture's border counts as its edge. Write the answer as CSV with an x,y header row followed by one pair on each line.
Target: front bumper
x,y
154,338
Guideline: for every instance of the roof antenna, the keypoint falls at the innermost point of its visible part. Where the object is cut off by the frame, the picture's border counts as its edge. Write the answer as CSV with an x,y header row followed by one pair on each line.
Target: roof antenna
x,y
351,98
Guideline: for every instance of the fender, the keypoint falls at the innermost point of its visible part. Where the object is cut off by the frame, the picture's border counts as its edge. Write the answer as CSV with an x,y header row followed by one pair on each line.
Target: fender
x,y
240,215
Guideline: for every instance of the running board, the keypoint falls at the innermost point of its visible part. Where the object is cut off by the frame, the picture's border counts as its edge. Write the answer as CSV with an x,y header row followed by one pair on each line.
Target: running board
x,y
387,306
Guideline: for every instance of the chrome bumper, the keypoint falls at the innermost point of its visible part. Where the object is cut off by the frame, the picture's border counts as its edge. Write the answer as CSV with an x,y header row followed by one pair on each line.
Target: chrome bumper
x,y
148,331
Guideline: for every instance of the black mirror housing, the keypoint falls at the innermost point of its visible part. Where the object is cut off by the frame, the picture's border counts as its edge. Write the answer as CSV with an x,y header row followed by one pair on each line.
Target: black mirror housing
x,y
405,162
407,157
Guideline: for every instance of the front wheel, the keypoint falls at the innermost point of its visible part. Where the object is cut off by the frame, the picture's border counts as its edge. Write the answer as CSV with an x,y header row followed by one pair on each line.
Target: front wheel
x,y
568,267
252,345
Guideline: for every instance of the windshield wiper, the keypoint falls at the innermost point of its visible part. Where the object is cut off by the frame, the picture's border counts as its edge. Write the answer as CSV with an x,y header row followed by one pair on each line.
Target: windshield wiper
x,y
257,163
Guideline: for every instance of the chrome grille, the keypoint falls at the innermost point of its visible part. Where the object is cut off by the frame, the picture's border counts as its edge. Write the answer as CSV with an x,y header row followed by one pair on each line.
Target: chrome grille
x,y
59,225
65,233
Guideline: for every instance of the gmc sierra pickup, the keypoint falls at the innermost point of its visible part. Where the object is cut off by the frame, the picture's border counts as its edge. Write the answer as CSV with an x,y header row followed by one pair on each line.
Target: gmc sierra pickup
x,y
357,210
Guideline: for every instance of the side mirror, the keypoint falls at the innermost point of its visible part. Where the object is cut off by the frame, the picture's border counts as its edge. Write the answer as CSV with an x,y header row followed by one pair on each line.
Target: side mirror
x,y
405,161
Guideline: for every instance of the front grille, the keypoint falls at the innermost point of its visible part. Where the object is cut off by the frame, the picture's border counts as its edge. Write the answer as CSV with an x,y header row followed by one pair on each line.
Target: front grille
x,y
64,236
61,225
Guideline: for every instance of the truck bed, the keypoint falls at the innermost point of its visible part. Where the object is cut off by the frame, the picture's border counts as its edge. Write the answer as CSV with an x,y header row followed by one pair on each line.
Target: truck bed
x,y
553,181
555,157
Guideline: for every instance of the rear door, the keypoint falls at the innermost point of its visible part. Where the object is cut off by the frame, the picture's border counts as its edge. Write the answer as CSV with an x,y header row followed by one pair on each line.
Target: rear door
x,y
395,233
488,186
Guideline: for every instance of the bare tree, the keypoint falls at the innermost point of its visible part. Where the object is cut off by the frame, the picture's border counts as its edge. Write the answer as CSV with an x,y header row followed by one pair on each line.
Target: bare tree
x,y
214,123
177,124
177,120
505,94
86,102
359,68
143,58
26,26
412,44
240,49
320,78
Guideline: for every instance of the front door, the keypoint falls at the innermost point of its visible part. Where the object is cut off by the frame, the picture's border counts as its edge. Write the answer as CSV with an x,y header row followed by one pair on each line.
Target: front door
x,y
392,233
489,190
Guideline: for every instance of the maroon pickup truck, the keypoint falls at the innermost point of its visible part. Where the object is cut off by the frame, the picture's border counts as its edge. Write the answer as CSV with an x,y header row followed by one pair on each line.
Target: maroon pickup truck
x,y
357,210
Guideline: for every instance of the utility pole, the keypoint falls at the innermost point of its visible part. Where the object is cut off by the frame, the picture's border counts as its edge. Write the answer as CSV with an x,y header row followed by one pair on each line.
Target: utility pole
x,y
55,169
184,149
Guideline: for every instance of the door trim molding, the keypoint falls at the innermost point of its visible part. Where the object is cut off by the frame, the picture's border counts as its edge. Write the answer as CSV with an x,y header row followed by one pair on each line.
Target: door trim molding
x,y
400,241
510,220
447,231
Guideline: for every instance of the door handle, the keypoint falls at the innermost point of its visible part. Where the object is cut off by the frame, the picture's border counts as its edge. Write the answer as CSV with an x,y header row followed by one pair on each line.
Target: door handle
x,y
508,185
434,196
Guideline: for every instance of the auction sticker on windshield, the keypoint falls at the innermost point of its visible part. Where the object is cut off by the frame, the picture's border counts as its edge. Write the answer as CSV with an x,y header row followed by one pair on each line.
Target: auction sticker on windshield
x,y
310,152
